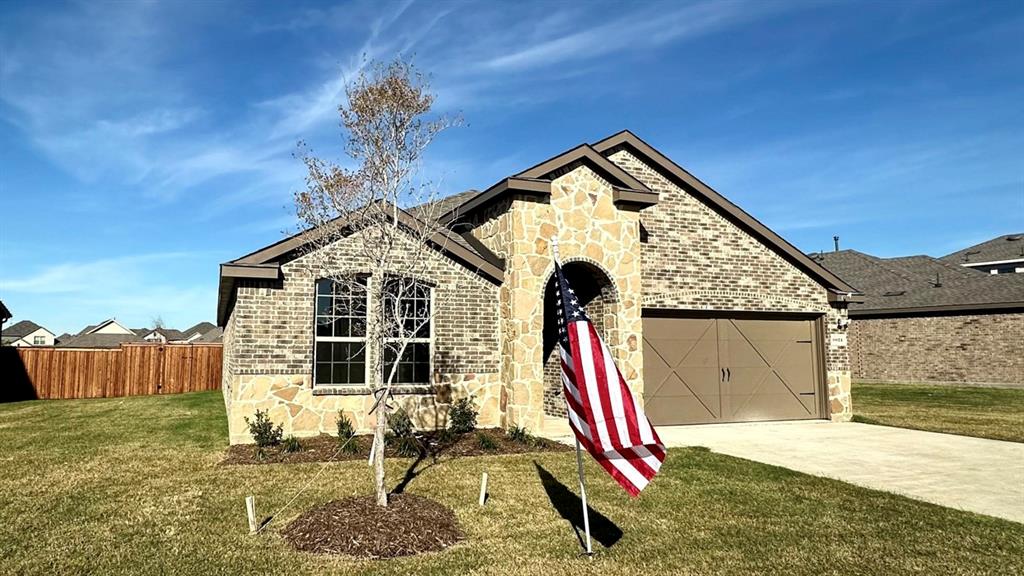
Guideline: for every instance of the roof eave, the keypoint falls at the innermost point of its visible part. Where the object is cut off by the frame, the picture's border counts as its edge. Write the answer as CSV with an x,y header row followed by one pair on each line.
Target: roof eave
x,y
951,309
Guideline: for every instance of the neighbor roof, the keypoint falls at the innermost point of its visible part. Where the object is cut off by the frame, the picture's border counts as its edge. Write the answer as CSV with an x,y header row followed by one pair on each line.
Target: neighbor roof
x,y
1002,248
922,285
200,328
21,329
168,333
99,340
211,336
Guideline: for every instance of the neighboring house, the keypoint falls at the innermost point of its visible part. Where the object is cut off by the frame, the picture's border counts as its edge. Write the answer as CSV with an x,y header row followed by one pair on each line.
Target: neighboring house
x,y
163,335
1002,255
107,334
930,320
27,333
212,336
198,331
712,317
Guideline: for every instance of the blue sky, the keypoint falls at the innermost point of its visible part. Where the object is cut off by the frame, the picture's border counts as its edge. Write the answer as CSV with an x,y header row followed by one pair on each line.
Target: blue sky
x,y
141,144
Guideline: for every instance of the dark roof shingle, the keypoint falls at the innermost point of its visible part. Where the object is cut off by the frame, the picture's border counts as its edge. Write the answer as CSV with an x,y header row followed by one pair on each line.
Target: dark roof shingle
x,y
1006,247
23,328
99,340
920,282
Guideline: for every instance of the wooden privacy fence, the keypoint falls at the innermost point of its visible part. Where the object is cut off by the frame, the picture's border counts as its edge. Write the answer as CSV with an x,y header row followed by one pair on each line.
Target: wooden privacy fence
x,y
131,370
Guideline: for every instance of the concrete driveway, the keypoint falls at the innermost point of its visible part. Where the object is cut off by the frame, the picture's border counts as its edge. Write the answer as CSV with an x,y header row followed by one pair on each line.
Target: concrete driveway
x,y
983,476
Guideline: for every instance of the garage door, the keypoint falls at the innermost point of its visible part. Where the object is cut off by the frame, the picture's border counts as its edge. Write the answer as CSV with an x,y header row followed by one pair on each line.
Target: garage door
x,y
704,370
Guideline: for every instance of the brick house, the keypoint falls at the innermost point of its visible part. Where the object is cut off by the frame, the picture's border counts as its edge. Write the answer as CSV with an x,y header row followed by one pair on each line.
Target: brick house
x,y
712,317
933,320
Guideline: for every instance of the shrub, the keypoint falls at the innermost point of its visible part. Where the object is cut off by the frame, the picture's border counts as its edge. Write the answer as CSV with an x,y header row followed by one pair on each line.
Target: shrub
x,y
462,416
445,437
291,444
263,431
346,433
408,446
486,442
406,443
519,435
400,424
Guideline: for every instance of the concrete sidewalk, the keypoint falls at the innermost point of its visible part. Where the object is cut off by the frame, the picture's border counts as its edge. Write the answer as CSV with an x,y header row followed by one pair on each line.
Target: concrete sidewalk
x,y
975,474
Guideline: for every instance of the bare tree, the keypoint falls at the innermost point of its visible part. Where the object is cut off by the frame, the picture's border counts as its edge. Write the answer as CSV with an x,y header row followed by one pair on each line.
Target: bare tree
x,y
157,322
388,125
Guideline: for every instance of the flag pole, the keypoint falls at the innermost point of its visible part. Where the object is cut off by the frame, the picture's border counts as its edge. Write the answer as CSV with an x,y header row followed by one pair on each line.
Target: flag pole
x,y
583,496
579,452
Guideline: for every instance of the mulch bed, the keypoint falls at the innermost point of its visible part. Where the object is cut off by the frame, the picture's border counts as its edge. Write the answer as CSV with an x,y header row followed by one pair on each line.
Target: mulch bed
x,y
356,526
434,445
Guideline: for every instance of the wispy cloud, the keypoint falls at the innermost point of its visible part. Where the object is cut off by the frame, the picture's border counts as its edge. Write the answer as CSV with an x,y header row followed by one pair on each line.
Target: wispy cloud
x,y
134,288
90,276
648,28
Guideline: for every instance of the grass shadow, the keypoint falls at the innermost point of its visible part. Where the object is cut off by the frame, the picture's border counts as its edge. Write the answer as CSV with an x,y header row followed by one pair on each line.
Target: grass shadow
x,y
570,507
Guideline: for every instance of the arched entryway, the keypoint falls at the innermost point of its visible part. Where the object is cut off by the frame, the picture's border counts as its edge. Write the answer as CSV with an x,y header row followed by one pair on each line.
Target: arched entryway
x,y
597,294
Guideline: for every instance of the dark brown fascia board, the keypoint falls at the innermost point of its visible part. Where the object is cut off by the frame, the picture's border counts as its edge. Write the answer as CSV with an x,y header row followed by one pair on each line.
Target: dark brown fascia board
x,y
268,271
847,297
682,178
289,244
953,309
441,238
588,153
637,199
512,185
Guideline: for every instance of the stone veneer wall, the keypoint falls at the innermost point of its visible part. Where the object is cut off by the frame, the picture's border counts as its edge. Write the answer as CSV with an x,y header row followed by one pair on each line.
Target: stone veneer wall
x,y
696,259
964,349
590,228
268,349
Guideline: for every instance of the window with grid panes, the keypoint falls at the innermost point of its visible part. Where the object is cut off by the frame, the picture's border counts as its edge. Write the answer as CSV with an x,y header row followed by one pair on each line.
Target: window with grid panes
x,y
407,304
340,338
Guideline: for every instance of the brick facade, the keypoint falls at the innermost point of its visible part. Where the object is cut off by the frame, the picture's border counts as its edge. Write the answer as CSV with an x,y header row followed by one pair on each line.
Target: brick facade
x,y
268,355
696,259
963,349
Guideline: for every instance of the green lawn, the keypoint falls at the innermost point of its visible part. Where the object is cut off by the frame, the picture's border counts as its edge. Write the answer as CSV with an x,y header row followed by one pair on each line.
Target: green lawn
x,y
132,486
983,412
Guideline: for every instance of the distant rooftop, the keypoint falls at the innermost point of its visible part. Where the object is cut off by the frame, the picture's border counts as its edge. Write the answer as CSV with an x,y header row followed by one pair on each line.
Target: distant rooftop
x,y
923,283
1001,248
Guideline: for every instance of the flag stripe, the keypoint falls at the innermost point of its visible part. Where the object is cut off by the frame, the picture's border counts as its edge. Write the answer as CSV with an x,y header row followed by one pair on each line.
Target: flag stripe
x,y
603,414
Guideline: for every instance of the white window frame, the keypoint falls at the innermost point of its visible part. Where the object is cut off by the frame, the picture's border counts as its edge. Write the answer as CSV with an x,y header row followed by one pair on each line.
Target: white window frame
x,y
39,340
317,338
429,340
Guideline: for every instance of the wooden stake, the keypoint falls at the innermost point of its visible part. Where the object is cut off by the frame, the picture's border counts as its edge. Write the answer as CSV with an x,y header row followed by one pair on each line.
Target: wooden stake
x,y
483,489
250,510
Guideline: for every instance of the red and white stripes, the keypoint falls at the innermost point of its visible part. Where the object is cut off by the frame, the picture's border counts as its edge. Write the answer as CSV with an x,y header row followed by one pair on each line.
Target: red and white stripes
x,y
603,413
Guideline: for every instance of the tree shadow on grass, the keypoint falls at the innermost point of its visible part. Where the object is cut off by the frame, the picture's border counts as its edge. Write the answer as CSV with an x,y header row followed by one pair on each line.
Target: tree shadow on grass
x,y
569,506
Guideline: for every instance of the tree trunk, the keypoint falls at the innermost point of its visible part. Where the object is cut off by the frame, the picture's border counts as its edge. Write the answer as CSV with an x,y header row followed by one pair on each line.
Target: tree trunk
x,y
378,454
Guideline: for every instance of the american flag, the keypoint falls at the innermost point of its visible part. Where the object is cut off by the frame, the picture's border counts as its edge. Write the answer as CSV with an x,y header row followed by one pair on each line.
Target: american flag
x,y
603,414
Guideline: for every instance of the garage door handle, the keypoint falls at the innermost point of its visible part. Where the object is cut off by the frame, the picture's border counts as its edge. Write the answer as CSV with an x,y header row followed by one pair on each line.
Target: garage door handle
x,y
723,374
728,375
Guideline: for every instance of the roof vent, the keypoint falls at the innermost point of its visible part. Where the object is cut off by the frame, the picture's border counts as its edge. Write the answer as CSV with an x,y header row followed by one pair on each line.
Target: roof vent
x,y
1014,238
938,281
895,293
